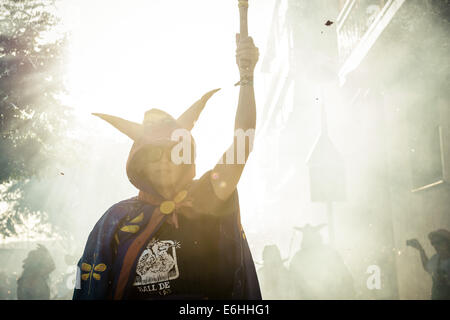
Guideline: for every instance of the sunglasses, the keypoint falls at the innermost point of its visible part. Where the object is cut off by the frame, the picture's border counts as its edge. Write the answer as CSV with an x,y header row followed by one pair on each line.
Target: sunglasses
x,y
155,153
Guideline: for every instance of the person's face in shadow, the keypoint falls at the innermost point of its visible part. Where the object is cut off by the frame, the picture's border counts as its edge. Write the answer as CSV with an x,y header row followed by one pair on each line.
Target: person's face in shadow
x,y
161,169
441,246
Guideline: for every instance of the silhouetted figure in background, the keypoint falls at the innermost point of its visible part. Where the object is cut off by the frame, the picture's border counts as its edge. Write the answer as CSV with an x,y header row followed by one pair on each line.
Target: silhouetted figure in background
x,y
273,275
317,271
33,283
438,266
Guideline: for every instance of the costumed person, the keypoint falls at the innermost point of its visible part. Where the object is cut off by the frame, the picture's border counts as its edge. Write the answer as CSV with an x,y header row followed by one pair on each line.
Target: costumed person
x,y
273,275
317,271
179,238
33,283
438,266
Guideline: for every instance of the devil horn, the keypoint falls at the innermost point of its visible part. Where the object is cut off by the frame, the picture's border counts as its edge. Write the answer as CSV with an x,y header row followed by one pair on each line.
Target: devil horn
x,y
131,129
190,116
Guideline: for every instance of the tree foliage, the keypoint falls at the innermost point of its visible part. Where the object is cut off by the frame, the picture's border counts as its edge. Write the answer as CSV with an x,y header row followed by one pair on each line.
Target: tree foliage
x,y
32,117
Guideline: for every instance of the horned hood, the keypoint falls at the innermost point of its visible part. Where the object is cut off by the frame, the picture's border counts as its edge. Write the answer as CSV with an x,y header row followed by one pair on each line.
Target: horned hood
x,y
156,130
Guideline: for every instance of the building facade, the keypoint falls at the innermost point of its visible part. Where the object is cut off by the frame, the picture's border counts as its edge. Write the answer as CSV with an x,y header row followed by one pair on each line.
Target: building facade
x,y
380,67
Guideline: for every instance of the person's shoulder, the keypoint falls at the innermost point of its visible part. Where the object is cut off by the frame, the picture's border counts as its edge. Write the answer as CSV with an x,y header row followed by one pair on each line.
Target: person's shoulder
x,y
115,214
123,207
198,181
205,200
130,202
298,257
331,252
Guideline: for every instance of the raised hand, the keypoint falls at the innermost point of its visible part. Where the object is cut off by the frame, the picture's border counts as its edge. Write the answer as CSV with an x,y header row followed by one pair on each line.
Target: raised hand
x,y
414,243
247,55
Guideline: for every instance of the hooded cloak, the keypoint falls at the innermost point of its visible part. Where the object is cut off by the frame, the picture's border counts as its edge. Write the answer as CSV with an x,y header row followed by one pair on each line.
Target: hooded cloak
x,y
107,268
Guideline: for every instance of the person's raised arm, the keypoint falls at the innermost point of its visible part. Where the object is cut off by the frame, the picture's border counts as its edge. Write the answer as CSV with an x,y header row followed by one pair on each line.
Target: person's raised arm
x,y
423,256
226,174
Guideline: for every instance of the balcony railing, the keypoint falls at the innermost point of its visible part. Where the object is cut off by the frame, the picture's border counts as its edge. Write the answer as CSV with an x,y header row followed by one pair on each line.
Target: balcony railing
x,y
353,22
359,24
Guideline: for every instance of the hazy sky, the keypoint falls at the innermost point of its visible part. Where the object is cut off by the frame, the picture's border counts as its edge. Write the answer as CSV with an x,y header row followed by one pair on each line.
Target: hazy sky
x,y
130,56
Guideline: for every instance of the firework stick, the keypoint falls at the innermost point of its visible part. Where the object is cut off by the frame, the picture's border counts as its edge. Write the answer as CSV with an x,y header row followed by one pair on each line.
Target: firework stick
x,y
243,8
243,26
